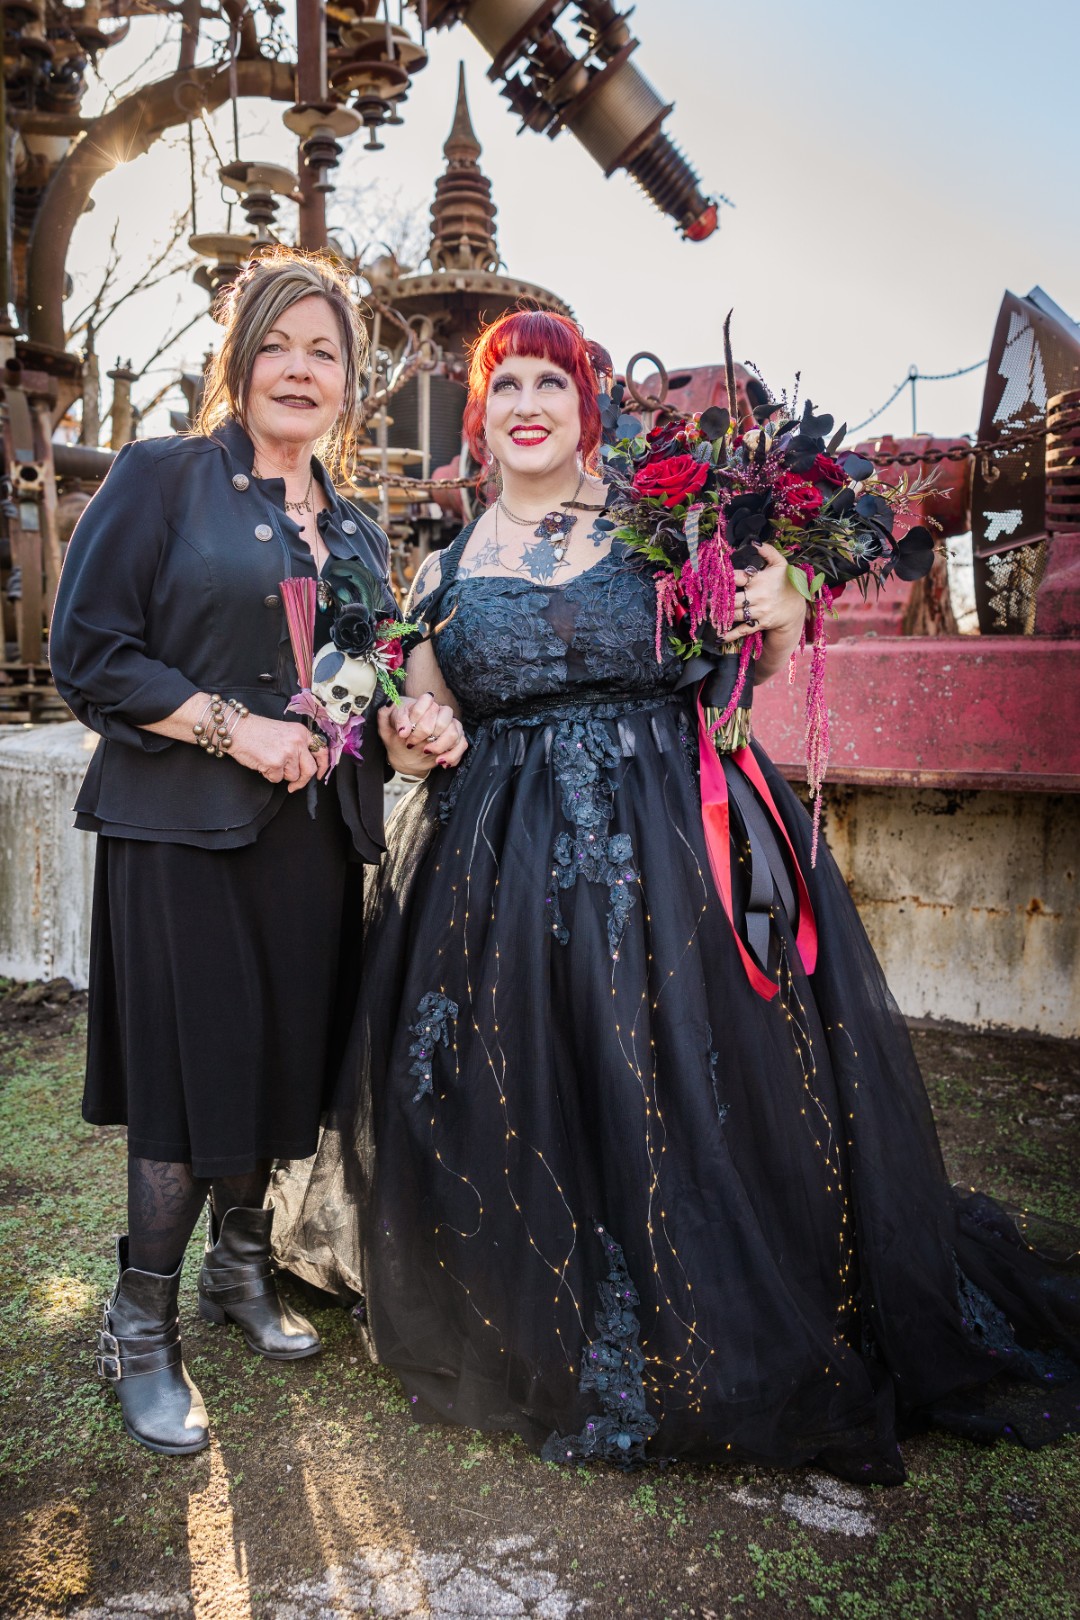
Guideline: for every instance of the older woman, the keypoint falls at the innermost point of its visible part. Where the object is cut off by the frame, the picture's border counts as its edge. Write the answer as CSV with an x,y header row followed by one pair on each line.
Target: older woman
x,y
227,878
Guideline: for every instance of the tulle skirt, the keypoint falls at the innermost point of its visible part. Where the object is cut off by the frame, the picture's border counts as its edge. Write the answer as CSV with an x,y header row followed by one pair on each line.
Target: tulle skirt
x,y
600,1191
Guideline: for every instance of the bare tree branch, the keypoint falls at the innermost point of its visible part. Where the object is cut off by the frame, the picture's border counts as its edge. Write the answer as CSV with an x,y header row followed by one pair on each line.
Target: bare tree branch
x,y
88,316
92,314
173,337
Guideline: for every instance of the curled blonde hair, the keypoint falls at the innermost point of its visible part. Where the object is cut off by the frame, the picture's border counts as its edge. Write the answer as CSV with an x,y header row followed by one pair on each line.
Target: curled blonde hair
x,y
254,304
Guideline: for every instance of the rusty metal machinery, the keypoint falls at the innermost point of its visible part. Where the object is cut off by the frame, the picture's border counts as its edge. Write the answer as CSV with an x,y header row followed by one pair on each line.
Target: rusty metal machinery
x,y
30,542
1035,353
591,88
1058,612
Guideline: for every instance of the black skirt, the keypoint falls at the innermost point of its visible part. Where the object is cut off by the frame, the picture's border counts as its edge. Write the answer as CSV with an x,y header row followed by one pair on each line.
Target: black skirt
x,y
215,989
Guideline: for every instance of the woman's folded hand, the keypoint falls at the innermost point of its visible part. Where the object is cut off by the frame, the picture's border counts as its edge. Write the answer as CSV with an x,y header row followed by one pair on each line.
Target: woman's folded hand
x,y
419,733
280,750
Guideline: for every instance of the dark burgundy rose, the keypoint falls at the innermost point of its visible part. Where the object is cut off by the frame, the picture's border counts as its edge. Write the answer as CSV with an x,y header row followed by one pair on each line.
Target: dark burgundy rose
x,y
666,435
672,479
828,471
353,629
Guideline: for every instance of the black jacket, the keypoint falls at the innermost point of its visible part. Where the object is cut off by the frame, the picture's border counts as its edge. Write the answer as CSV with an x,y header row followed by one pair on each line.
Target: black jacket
x,y
171,586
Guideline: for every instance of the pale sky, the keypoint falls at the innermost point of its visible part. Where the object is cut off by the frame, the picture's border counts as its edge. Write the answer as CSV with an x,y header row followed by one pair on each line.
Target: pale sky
x,y
894,169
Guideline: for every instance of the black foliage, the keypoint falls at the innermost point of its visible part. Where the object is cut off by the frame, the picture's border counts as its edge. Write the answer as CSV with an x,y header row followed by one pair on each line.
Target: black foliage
x,y
914,555
802,451
842,503
714,422
815,427
876,510
857,466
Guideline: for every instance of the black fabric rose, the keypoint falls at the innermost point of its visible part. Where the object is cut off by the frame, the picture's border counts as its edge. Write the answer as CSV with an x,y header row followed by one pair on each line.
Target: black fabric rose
x,y
748,518
353,629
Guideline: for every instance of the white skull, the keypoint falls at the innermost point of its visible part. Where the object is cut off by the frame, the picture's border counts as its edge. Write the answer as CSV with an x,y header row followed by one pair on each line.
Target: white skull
x,y
342,684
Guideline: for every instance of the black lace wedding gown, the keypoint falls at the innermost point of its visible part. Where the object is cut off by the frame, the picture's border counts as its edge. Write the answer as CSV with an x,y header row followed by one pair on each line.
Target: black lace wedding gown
x,y
594,1186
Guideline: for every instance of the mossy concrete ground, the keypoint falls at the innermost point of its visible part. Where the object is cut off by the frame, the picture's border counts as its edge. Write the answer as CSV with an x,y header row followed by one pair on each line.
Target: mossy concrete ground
x,y
321,1496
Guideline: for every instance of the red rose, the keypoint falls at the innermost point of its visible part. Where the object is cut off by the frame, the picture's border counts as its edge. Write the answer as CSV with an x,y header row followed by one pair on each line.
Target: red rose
x,y
796,493
390,652
828,471
673,478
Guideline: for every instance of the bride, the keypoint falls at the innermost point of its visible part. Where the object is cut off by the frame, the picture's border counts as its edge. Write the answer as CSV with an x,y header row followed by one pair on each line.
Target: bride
x,y
596,1188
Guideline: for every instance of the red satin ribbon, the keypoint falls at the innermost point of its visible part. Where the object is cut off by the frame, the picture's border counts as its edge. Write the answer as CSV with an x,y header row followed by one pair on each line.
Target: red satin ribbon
x,y
716,822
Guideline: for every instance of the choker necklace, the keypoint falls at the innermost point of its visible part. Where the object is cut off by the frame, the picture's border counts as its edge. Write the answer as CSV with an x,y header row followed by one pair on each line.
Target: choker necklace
x,y
553,526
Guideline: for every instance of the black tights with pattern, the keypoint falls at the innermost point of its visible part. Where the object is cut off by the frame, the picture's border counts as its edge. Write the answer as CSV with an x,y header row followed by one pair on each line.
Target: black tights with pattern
x,y
165,1201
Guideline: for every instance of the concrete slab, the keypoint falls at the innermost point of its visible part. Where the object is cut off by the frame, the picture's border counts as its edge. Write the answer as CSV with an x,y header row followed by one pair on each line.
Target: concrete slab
x,y
46,867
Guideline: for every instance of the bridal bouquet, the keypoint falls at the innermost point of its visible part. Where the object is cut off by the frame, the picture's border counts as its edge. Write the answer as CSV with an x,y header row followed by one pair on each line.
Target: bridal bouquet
x,y
364,653
696,494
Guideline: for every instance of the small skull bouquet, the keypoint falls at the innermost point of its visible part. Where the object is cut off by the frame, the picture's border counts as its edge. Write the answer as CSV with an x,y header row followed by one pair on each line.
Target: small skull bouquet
x,y
365,653
696,494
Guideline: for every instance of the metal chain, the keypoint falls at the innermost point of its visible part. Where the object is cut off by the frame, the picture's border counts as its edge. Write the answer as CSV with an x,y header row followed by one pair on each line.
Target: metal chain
x,y
959,452
375,402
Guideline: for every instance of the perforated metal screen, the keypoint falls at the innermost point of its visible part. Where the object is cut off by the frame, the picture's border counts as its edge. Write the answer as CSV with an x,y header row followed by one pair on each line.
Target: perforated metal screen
x,y
1035,354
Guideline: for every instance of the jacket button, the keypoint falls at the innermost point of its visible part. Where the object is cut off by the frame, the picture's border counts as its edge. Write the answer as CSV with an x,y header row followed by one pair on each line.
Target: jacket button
x,y
348,526
264,532
266,679
271,601
240,481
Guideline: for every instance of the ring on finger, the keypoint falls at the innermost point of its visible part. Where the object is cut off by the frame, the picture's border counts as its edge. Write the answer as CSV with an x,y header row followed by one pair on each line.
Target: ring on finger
x,y
747,616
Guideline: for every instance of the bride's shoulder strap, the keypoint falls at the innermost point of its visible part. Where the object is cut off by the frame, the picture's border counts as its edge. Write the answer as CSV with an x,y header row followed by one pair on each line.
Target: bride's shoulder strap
x,y
449,561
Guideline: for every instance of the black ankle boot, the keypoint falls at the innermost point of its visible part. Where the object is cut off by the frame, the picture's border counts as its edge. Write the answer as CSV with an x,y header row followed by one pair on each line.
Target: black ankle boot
x,y
237,1284
139,1354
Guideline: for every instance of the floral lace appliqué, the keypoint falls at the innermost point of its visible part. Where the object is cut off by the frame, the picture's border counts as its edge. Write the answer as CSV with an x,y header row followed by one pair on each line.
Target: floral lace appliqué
x,y
722,1108
434,1015
496,647
988,1325
615,626
612,1367
582,753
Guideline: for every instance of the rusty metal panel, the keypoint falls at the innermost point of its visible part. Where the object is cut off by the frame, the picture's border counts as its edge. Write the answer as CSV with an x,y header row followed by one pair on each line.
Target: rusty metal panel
x,y
939,711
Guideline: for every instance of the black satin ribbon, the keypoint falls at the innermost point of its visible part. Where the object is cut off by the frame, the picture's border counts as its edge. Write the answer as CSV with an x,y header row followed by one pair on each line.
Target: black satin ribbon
x,y
768,870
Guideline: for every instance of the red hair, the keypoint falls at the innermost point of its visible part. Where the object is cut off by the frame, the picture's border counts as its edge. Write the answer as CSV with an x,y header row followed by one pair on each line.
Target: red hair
x,y
536,335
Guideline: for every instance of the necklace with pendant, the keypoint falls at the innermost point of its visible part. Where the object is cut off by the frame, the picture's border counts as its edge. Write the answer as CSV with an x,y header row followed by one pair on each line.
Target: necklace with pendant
x,y
322,590
304,503
553,526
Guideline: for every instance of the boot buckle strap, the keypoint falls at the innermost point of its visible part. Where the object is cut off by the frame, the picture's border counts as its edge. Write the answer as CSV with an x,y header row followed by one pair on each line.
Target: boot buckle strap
x,y
224,1293
128,1363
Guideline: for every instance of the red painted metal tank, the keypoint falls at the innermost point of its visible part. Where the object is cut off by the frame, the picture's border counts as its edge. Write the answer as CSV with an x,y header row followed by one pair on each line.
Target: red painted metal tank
x,y
692,389
948,503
